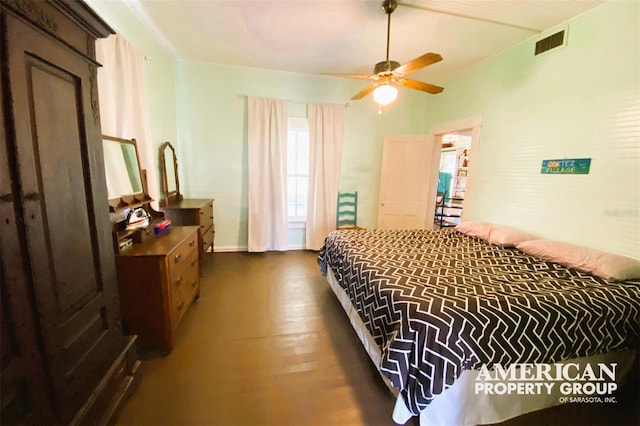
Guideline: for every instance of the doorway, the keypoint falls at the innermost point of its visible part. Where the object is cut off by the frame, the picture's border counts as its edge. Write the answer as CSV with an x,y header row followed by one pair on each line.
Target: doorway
x,y
456,145
452,178
408,189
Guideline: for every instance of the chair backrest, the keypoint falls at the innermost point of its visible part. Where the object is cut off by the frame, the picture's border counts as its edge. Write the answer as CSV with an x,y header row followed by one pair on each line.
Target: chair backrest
x,y
347,210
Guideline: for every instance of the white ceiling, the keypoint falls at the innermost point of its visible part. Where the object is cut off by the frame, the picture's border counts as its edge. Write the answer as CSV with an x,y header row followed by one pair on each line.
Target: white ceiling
x,y
349,36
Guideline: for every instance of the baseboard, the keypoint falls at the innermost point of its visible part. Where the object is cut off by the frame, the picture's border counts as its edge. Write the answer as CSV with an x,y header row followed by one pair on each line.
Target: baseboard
x,y
223,249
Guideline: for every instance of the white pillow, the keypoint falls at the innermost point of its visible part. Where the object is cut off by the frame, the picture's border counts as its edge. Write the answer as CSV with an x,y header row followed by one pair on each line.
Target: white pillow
x,y
474,229
501,235
507,236
611,267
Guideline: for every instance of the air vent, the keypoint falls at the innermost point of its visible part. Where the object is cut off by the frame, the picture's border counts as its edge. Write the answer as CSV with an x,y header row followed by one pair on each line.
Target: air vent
x,y
548,43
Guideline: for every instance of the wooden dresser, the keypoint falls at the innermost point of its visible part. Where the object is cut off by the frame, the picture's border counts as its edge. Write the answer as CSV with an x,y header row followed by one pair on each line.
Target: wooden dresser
x,y
158,280
196,212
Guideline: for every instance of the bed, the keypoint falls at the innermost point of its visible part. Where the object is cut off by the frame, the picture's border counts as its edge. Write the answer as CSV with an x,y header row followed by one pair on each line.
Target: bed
x,y
438,310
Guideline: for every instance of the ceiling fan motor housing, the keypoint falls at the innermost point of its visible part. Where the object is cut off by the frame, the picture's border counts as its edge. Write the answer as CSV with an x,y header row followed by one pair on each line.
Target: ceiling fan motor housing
x,y
389,6
385,67
387,74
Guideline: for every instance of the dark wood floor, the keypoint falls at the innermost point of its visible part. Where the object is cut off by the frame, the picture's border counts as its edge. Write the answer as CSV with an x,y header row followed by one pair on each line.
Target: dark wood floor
x,y
267,343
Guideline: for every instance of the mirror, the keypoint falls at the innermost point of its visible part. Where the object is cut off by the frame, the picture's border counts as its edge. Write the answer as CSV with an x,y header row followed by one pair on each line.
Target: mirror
x,y
169,172
123,173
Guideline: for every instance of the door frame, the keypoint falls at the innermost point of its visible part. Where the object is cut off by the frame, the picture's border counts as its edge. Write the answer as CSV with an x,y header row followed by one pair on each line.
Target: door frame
x,y
473,124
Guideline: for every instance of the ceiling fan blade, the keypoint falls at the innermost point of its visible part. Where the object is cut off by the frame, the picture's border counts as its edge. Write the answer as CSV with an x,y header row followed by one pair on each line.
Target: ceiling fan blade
x,y
364,92
419,62
419,85
360,76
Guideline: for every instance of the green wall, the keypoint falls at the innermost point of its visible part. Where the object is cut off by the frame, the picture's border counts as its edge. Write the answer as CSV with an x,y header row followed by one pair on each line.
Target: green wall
x,y
581,100
201,108
213,135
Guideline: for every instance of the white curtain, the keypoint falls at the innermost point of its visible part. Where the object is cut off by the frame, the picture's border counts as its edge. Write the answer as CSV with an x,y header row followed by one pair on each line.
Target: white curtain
x,y
267,132
123,105
326,123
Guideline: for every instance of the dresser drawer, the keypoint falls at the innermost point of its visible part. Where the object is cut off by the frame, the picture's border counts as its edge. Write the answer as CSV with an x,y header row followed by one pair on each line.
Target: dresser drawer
x,y
178,256
179,306
206,216
184,285
207,238
183,275
182,301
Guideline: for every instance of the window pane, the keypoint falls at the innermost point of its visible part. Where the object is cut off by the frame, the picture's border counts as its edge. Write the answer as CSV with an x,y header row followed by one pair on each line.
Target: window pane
x,y
302,160
297,168
291,152
291,196
303,186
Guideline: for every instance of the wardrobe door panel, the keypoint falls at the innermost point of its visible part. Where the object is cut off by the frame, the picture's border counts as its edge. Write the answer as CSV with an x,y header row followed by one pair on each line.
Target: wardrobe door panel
x,y
62,188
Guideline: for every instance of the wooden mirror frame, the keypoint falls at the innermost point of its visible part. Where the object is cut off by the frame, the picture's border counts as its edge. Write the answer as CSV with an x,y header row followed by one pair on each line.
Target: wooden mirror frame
x,y
129,200
169,196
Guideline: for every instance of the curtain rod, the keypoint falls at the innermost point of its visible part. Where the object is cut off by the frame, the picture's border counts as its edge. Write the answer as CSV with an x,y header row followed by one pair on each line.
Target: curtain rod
x,y
293,101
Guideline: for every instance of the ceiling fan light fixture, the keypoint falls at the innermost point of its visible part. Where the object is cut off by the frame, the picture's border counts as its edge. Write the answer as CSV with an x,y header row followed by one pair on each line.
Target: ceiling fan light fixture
x,y
388,74
385,94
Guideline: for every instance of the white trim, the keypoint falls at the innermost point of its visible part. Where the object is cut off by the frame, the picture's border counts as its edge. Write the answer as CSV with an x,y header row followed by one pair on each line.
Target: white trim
x,y
297,223
141,13
223,249
232,249
457,125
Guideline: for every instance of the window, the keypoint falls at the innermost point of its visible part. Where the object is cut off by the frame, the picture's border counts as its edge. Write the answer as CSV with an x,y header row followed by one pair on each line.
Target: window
x,y
297,169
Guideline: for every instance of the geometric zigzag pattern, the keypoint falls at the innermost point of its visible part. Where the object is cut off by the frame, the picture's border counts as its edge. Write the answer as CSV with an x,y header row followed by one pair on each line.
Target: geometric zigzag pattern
x,y
438,302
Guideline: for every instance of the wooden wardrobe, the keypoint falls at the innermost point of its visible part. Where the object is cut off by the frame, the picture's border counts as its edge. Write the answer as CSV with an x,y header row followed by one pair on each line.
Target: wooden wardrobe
x,y
64,357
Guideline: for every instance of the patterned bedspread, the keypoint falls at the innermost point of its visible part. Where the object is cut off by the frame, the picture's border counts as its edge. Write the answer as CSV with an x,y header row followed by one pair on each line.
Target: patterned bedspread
x,y
440,302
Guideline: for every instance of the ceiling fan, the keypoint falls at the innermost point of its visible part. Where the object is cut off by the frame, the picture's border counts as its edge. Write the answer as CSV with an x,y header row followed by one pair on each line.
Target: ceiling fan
x,y
389,74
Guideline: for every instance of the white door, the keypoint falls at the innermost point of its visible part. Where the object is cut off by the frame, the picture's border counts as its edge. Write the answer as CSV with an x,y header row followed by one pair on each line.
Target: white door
x,y
406,182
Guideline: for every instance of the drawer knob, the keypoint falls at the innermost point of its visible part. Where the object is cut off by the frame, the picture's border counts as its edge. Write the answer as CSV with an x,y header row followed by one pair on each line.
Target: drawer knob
x,y
193,262
177,258
178,281
180,305
191,243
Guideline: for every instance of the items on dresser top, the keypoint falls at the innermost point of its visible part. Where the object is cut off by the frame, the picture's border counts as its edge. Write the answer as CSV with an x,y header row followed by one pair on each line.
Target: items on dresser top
x,y
158,280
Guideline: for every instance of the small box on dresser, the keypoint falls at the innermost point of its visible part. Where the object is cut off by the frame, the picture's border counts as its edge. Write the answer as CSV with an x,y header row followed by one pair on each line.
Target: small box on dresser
x,y
158,280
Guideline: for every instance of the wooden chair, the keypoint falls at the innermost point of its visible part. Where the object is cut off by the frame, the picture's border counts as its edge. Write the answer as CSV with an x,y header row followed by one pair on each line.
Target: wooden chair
x,y
347,210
